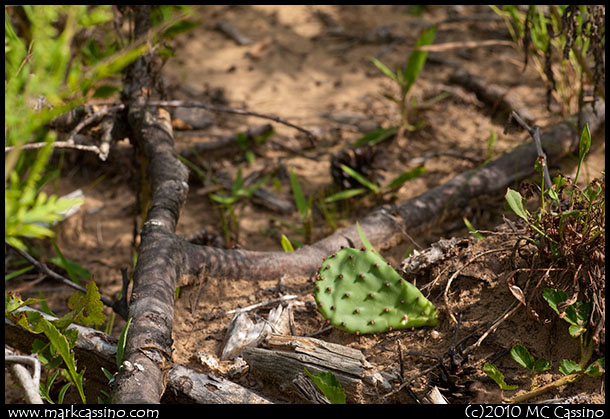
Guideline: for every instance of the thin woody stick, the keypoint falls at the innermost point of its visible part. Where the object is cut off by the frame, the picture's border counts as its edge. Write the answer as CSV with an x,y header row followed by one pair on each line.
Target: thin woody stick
x,y
214,108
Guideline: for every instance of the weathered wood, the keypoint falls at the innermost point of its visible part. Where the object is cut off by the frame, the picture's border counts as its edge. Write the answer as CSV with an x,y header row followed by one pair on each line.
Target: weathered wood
x,y
283,358
95,349
188,386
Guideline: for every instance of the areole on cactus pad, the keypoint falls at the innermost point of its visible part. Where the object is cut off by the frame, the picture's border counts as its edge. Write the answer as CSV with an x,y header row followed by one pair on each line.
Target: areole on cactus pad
x,y
359,292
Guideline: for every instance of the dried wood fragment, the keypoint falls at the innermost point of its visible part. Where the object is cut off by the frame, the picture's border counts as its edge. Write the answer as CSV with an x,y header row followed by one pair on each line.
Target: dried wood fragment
x,y
232,32
189,386
283,358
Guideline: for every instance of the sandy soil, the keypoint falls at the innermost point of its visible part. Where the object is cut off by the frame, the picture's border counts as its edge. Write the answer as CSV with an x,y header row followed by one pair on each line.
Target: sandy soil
x,y
298,69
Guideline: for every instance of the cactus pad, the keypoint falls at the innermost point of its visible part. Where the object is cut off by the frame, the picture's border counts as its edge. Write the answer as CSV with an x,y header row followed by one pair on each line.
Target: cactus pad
x,y
359,292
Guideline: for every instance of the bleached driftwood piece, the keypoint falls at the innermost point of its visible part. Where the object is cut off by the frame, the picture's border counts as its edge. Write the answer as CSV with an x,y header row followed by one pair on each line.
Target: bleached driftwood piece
x,y
283,358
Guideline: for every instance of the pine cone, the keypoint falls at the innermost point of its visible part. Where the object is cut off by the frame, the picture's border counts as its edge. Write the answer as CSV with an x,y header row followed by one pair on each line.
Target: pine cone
x,y
366,160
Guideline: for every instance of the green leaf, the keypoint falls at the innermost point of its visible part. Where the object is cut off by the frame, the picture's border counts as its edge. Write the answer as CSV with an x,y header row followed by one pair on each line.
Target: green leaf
x,y
329,386
577,314
384,69
61,345
522,356
585,143
180,27
406,176
363,238
105,91
361,179
120,350
417,59
515,202
88,308
567,367
473,230
376,136
286,245
17,273
494,373
347,194
542,365
597,368
223,200
299,198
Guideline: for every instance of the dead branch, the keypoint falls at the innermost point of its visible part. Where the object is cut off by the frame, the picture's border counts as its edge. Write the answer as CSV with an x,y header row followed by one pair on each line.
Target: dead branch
x,y
149,343
96,349
225,109
491,94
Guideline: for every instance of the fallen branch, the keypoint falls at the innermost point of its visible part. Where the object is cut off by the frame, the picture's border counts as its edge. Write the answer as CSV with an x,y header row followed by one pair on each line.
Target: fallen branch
x,y
96,349
225,109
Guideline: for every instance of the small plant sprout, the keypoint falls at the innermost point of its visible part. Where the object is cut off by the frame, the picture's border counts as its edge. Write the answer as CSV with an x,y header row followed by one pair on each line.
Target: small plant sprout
x,y
405,78
372,187
577,316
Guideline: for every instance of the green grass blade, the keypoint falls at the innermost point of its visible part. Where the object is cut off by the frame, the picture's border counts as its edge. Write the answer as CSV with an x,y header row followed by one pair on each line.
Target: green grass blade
x,y
361,179
384,69
406,176
417,59
377,136
120,350
347,194
299,198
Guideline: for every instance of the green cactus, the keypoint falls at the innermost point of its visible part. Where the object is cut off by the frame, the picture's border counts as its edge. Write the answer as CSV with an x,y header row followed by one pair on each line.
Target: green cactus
x,y
359,292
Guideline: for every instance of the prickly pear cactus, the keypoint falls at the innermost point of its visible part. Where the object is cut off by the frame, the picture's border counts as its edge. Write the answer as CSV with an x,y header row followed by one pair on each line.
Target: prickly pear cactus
x,y
359,292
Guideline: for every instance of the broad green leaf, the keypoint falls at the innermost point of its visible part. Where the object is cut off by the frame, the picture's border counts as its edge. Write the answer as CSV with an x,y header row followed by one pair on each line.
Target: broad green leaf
x,y
286,244
88,308
515,202
577,314
494,373
522,356
567,367
349,193
61,345
376,136
329,386
597,368
120,350
361,179
13,301
406,176
542,365
384,69
417,59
